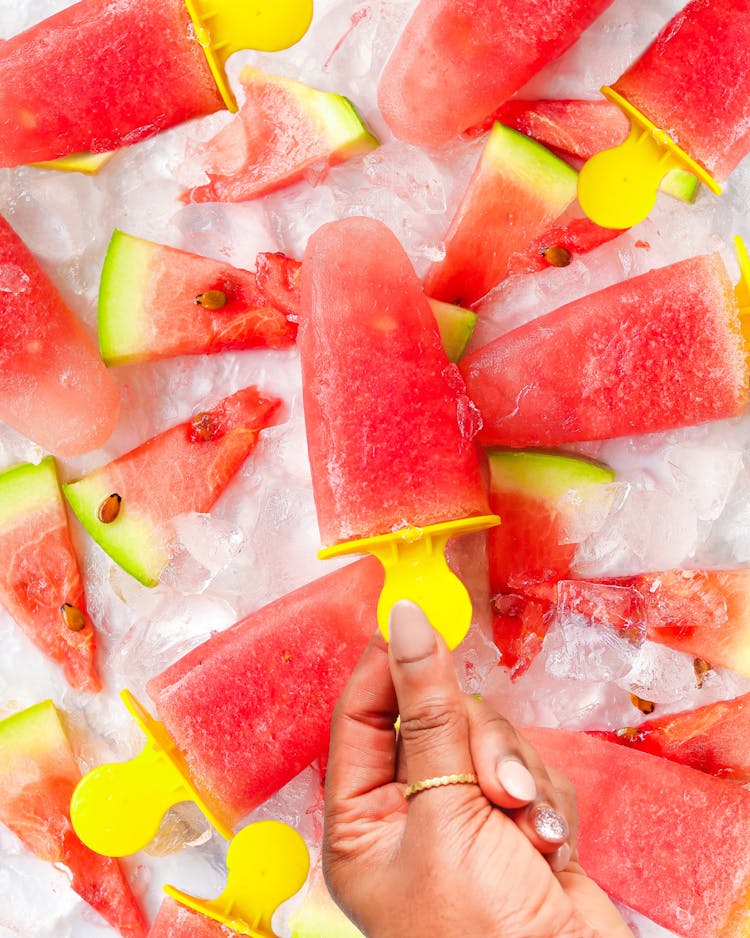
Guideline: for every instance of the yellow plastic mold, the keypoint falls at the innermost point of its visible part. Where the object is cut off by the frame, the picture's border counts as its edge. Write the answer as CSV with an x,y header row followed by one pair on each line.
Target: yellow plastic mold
x,y
87,163
416,569
116,809
617,188
223,27
267,863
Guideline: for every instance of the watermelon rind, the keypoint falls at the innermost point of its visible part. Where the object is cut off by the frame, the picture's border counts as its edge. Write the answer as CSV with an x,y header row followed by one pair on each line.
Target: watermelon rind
x,y
32,731
681,185
318,917
121,293
513,153
132,540
456,326
547,475
27,489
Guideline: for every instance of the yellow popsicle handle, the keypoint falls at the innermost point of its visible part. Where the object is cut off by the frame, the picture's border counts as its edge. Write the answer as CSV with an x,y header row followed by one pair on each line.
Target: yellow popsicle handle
x,y
116,809
742,290
267,863
416,569
617,188
87,163
223,27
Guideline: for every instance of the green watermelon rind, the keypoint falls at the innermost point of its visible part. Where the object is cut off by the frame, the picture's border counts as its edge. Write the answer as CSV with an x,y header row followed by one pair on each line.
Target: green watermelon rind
x,y
320,918
549,476
547,176
26,490
132,540
121,311
456,326
681,184
29,733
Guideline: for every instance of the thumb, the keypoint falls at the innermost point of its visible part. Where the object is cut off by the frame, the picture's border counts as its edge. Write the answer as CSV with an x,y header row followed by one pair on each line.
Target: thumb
x,y
434,723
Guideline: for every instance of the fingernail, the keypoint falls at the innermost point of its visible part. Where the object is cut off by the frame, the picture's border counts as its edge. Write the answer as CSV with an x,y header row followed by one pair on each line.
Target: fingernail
x,y
549,824
516,780
560,859
412,636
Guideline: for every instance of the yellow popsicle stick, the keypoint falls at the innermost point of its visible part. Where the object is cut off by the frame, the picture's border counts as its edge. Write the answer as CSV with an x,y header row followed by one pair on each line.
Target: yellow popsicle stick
x,y
267,863
116,809
224,27
742,290
416,569
617,187
88,163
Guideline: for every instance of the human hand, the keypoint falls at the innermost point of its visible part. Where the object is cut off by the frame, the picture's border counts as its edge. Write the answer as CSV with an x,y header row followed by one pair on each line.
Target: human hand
x,y
455,860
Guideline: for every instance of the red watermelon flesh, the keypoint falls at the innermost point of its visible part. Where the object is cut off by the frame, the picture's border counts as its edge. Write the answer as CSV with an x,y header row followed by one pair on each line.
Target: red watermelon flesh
x,y
175,920
520,622
40,572
639,357
389,426
151,73
457,60
560,245
712,739
53,385
517,189
280,278
693,81
668,841
38,775
252,706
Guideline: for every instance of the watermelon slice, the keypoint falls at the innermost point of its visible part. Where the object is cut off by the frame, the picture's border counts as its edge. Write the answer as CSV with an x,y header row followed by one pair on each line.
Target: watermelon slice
x,y
252,706
457,60
53,386
126,505
668,841
175,920
284,132
38,774
712,738
389,426
41,584
98,75
560,245
639,357
517,189
156,301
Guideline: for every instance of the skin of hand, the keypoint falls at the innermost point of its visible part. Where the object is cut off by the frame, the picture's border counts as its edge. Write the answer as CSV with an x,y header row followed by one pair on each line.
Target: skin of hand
x,y
489,860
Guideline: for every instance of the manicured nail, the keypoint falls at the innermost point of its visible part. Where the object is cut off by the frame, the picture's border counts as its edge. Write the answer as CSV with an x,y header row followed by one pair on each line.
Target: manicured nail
x,y
560,858
412,636
549,824
516,780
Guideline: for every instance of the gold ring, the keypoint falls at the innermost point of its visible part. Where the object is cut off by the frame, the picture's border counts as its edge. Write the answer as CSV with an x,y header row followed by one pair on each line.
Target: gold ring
x,y
466,778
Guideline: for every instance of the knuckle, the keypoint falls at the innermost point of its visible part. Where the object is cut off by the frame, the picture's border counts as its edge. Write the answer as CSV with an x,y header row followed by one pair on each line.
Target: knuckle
x,y
434,720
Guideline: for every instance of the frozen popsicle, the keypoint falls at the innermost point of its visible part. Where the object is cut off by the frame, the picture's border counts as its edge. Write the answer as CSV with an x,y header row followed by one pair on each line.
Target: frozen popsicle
x,y
688,100
458,60
390,428
104,73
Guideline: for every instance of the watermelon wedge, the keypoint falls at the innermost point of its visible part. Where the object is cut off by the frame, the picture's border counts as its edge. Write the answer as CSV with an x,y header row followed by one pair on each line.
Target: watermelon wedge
x,y
284,132
252,706
41,584
126,506
38,774
175,920
668,841
98,75
712,738
53,385
156,301
516,191
639,357
560,245
457,60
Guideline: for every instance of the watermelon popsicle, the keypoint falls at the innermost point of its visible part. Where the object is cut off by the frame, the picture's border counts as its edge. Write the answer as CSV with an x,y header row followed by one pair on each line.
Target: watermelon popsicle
x,y
688,100
390,427
156,64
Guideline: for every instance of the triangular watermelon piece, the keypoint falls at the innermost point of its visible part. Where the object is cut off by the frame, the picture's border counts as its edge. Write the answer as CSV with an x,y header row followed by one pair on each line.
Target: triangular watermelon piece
x,y
516,191
127,504
53,385
284,132
175,920
40,583
37,776
156,301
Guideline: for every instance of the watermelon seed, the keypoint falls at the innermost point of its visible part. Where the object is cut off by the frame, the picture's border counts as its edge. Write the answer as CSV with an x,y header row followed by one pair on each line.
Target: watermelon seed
x,y
701,668
203,427
645,706
212,299
110,508
73,618
557,256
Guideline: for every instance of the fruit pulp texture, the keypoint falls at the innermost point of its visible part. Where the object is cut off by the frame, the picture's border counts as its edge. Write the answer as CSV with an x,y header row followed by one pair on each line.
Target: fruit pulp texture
x,y
252,706
686,862
151,74
560,245
53,385
693,81
390,427
175,920
458,60
661,350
